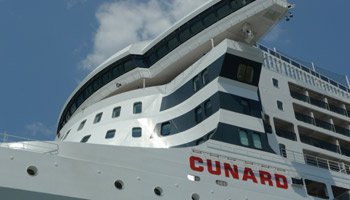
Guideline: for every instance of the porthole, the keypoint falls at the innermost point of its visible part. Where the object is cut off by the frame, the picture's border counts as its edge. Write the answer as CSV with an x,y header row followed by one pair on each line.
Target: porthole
x,y
195,196
32,171
158,191
119,184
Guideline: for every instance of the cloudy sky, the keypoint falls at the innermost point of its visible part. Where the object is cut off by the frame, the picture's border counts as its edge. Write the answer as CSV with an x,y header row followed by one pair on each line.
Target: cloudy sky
x,y
48,47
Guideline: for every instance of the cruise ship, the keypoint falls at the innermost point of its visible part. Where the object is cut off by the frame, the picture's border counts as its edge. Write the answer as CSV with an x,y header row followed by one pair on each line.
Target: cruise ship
x,y
201,112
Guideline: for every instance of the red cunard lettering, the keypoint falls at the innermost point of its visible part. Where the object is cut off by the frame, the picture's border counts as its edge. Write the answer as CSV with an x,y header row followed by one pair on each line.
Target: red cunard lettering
x,y
249,174
217,170
265,177
229,170
283,184
193,161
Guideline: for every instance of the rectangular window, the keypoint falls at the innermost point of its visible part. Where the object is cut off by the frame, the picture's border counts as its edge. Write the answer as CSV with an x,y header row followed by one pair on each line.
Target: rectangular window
x,y
137,108
136,132
245,73
197,83
165,129
110,134
243,137
279,105
208,110
205,77
316,189
81,126
98,118
275,82
85,139
257,141
116,112
198,114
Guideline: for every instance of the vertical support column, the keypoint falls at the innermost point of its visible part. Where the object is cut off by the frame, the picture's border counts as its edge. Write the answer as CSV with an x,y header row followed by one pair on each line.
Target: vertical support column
x,y
144,83
212,43
347,81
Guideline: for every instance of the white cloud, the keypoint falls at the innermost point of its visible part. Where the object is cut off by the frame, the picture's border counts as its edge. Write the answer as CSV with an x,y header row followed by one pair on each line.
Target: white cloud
x,y
124,22
39,130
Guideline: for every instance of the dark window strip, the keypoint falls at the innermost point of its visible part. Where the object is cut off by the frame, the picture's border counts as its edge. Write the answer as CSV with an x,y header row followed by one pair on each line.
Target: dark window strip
x,y
218,100
165,46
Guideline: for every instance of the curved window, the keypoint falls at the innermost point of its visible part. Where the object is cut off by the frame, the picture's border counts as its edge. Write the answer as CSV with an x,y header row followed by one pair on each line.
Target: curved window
x,y
137,108
243,137
136,132
98,118
116,112
85,139
110,134
81,125
208,110
257,141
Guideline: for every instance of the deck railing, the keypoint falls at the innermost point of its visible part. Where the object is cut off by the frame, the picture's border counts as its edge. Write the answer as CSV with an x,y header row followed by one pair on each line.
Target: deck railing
x,y
316,161
21,143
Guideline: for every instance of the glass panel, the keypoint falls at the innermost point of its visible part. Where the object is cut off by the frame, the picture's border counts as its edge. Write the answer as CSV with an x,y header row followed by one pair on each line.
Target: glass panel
x,y
257,141
245,73
129,65
81,126
245,106
137,108
165,129
243,137
173,43
98,118
210,19
116,112
85,139
136,132
205,77
208,108
197,27
162,51
196,83
198,114
110,134
316,189
185,35
280,105
224,11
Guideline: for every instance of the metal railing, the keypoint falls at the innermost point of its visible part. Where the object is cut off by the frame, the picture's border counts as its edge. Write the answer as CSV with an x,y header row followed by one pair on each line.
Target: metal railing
x,y
26,144
316,161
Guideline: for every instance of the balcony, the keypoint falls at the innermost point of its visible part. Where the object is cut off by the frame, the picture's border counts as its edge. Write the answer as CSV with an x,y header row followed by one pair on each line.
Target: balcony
x,y
299,96
286,134
318,103
324,125
338,110
342,131
318,143
304,118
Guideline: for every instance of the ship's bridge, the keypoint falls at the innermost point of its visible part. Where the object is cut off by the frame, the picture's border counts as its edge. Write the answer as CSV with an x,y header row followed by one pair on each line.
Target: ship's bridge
x,y
157,62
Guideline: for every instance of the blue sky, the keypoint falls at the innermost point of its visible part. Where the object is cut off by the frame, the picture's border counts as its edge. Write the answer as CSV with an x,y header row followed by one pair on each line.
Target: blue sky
x,y
48,47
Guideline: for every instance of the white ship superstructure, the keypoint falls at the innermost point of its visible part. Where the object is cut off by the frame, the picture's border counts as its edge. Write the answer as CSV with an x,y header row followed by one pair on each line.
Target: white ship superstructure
x,y
201,112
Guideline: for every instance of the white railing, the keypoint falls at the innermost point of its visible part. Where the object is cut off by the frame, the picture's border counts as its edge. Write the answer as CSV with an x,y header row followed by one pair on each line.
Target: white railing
x,y
21,143
316,161
276,64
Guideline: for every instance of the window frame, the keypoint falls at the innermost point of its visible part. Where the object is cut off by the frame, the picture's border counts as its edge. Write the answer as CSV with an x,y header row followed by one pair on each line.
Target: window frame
x,y
98,118
119,109
246,138
85,139
109,135
81,125
162,127
254,136
198,114
136,129
136,106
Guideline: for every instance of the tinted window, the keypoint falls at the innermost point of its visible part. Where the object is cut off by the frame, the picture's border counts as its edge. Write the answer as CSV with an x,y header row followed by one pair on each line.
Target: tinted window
x,y
197,27
205,77
275,82
208,108
137,108
98,118
81,126
196,83
280,105
185,35
85,139
110,134
245,106
224,11
243,137
136,132
245,73
257,141
316,189
210,19
198,114
165,129
116,112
